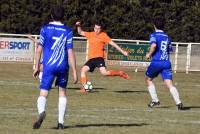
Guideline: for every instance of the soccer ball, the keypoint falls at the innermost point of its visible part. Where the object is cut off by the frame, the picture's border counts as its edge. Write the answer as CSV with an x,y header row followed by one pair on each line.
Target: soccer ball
x,y
88,86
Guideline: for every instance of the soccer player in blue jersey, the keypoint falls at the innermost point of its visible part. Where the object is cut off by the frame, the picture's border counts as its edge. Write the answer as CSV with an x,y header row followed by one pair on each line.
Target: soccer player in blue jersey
x,y
160,64
57,48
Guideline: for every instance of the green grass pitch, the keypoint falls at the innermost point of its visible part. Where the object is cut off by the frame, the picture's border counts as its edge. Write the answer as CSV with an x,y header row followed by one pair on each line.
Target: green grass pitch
x,y
117,107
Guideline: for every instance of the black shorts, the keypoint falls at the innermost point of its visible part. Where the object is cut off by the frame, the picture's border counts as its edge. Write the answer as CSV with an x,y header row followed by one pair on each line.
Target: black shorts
x,y
95,62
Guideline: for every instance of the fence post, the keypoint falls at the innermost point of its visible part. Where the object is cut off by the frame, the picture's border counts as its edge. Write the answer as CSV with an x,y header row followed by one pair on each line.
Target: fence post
x,y
176,59
188,58
136,69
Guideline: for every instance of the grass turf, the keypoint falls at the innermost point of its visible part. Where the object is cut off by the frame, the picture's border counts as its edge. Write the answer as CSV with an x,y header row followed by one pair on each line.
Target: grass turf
x,y
117,107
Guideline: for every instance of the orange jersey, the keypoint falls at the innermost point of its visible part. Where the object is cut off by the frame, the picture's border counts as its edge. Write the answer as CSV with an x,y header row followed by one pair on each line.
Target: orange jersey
x,y
96,44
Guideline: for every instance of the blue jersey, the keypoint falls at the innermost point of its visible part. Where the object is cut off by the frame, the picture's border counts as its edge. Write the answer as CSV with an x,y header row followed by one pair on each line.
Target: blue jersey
x,y
163,46
160,63
56,39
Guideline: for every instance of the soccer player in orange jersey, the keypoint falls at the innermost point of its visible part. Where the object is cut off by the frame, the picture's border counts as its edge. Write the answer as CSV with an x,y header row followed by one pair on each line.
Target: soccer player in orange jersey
x,y
97,40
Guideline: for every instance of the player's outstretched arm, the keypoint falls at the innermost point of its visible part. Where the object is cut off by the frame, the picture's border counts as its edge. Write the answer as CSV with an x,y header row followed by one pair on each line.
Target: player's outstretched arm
x,y
125,53
72,61
37,61
79,28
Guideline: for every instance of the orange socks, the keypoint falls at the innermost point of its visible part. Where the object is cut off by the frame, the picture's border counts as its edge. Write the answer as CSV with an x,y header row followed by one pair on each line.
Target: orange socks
x,y
114,73
118,73
83,80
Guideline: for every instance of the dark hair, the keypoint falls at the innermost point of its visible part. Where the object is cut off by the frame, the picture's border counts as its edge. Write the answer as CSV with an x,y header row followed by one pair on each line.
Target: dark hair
x,y
58,13
159,22
99,23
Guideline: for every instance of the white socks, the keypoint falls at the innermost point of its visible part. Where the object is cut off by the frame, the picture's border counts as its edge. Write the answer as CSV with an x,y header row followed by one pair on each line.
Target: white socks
x,y
175,95
41,103
152,92
173,91
62,107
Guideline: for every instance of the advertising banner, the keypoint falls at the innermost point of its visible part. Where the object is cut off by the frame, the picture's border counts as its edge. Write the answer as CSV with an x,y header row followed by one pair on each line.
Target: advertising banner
x,y
16,50
136,56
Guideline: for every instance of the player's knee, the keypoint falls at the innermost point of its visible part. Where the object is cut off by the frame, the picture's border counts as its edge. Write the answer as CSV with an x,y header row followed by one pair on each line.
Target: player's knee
x,y
169,86
104,72
148,81
84,69
168,83
62,92
43,93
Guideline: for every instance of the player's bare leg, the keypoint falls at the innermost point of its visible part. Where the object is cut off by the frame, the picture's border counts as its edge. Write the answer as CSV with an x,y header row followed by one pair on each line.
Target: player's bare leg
x,y
83,79
152,92
174,93
62,107
41,104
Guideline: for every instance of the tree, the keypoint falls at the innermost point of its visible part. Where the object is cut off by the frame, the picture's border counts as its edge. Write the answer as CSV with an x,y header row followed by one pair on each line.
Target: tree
x,y
128,19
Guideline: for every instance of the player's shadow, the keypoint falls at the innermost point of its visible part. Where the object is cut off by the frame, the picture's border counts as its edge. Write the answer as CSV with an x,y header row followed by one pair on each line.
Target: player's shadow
x,y
130,91
183,109
190,107
78,88
105,125
99,88
162,107
95,90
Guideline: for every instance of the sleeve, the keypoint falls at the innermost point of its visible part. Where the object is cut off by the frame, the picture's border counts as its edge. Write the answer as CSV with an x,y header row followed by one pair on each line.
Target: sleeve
x,y
152,39
87,34
69,40
106,38
42,37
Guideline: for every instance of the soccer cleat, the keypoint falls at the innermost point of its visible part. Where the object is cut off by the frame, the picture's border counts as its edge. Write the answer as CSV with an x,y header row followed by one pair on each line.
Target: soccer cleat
x,y
38,123
180,106
153,104
124,75
60,126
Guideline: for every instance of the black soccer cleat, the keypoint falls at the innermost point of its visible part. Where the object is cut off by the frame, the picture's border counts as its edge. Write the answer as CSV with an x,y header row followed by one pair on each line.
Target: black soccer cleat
x,y
180,106
153,104
38,123
60,126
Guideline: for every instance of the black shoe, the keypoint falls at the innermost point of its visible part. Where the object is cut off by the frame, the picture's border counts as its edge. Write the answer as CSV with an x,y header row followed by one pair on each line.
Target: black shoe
x,y
180,106
153,104
60,126
38,123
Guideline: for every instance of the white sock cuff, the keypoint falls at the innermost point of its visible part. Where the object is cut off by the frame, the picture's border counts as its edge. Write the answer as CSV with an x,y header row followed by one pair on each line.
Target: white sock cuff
x,y
175,95
63,99
42,98
151,86
62,108
152,92
41,104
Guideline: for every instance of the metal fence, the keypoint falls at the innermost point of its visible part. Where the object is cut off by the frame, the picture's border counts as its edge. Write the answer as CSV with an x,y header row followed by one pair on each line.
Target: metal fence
x,y
185,56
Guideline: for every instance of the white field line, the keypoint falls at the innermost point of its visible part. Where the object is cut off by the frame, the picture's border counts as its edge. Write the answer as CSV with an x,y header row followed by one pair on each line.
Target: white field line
x,y
17,83
151,121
